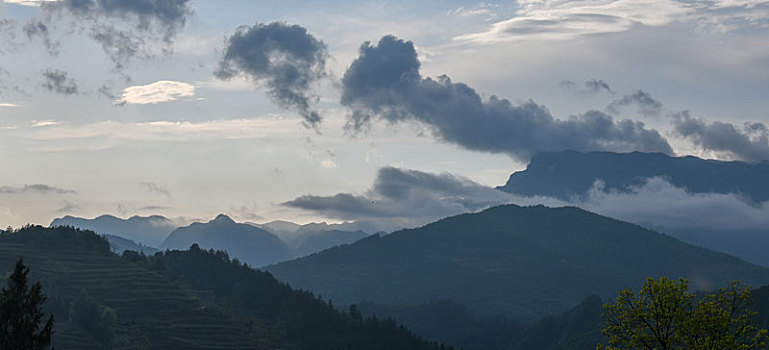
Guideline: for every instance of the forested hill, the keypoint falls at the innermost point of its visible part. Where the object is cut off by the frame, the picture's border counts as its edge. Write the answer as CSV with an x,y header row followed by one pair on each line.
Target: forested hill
x,y
568,173
522,262
180,300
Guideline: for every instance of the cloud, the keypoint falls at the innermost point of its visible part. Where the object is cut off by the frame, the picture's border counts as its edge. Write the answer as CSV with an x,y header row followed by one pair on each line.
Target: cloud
x,y
285,59
596,85
9,105
124,28
109,134
384,83
402,197
37,28
57,81
647,105
406,198
68,207
44,123
157,92
749,142
568,19
7,34
35,188
27,2
592,87
659,203
154,188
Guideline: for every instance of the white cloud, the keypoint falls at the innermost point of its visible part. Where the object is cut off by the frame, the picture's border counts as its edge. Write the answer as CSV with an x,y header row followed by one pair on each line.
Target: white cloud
x,y
26,2
9,105
567,19
157,92
658,203
56,137
42,123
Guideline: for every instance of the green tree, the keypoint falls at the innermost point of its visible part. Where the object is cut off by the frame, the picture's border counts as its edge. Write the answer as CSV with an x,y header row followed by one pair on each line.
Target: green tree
x,y
21,313
664,315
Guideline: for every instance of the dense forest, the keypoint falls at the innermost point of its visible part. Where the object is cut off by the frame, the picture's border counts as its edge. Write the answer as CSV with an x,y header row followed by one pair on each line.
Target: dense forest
x,y
196,299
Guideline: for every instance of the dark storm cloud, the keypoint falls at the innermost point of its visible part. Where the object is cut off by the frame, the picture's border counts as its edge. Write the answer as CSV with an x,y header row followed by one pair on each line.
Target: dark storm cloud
x,y
410,195
285,59
35,188
154,188
57,81
124,28
749,142
384,83
646,104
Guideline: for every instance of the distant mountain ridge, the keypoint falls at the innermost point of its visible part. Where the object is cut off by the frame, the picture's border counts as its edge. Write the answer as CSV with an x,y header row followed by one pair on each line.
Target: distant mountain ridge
x,y
248,243
314,237
569,173
147,230
522,262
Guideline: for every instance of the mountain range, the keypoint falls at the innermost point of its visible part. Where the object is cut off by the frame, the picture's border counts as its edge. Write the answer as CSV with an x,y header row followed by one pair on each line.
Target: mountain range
x,y
570,173
252,245
520,262
709,203
147,234
147,230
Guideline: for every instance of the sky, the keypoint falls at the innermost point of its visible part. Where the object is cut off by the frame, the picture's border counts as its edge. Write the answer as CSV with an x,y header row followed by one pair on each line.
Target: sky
x,y
268,109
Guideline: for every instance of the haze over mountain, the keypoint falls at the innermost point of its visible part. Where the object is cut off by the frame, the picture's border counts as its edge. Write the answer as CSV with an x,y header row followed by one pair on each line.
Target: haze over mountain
x,y
314,237
317,241
120,244
523,262
567,174
715,204
147,230
250,244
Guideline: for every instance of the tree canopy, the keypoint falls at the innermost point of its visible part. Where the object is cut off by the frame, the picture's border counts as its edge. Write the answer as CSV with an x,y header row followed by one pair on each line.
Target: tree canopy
x,y
21,313
665,315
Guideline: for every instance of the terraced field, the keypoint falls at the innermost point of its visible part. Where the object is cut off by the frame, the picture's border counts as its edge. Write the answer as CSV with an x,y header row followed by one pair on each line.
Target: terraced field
x,y
151,312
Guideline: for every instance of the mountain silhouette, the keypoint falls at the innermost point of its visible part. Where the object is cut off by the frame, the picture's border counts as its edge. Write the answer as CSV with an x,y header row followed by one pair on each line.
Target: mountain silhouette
x,y
147,230
569,173
521,262
248,243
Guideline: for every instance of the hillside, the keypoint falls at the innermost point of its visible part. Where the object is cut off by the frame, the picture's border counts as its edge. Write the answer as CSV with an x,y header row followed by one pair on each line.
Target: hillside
x,y
521,262
451,323
147,230
564,174
180,300
120,244
250,244
79,272
317,241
